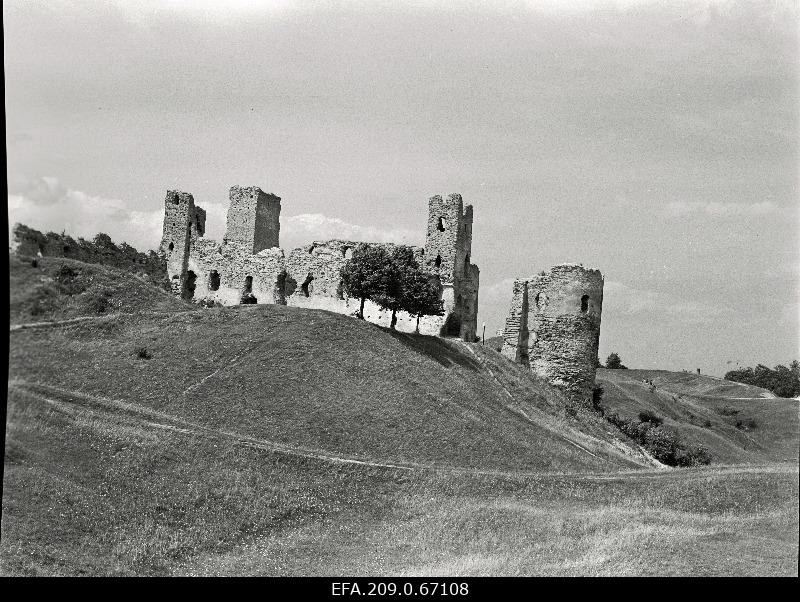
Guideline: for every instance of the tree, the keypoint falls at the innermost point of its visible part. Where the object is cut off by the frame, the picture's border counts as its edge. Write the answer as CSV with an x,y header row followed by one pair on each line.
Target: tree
x,y
421,296
614,363
400,269
367,275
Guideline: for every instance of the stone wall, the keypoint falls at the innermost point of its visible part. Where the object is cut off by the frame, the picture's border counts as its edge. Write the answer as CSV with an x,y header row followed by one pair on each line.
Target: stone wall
x,y
250,267
553,327
253,218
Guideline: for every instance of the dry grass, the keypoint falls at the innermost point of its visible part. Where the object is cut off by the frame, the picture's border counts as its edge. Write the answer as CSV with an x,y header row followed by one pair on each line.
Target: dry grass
x,y
89,491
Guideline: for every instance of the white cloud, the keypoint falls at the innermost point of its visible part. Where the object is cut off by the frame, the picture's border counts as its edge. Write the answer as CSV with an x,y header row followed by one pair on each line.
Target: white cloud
x,y
717,209
47,205
297,230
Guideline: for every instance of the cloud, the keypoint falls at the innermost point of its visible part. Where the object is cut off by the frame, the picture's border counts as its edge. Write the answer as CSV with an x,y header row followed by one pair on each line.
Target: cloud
x,y
48,205
297,230
620,299
716,209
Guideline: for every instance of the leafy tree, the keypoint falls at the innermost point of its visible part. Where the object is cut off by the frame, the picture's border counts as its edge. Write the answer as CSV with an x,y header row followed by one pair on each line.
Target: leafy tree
x,y
421,295
614,363
367,275
783,381
401,268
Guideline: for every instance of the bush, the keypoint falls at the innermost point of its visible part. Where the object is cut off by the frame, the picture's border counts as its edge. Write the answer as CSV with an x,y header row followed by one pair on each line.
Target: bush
x,y
727,411
662,444
707,424
748,424
68,280
648,416
613,362
783,381
44,300
143,353
101,302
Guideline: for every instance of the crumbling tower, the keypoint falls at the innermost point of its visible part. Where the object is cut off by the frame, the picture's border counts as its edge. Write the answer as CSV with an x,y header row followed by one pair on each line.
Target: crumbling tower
x,y
253,219
184,223
448,248
554,327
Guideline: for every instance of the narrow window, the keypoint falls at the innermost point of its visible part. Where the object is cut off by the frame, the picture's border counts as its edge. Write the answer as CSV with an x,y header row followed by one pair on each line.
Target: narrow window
x,y
175,199
438,262
440,225
536,299
585,303
171,247
248,285
213,280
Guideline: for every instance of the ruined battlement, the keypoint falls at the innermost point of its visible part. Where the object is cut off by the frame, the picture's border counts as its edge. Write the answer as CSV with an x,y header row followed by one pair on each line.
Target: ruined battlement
x,y
249,266
553,327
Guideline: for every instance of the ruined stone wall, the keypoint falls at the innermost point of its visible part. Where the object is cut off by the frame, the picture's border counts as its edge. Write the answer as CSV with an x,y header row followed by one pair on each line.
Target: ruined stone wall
x,y
249,267
554,327
253,219
229,275
179,229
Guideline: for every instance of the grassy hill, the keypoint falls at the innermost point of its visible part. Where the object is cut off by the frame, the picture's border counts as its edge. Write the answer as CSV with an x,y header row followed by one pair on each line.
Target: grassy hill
x,y
57,288
325,382
738,423
173,439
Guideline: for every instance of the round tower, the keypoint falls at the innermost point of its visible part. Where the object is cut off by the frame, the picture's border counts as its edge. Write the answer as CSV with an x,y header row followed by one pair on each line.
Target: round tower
x,y
564,308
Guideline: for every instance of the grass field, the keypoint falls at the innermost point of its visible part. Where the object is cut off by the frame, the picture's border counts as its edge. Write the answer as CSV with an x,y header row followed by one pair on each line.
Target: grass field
x,y
268,440
96,491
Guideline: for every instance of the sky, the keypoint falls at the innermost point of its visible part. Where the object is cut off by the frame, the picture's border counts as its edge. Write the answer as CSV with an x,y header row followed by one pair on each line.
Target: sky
x,y
655,141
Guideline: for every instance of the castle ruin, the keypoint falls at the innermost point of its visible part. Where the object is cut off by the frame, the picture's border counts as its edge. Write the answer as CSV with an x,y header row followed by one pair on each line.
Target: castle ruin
x,y
553,327
249,266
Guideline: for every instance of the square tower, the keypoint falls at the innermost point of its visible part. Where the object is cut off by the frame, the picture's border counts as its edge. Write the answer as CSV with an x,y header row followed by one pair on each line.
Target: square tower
x,y
253,219
448,242
180,226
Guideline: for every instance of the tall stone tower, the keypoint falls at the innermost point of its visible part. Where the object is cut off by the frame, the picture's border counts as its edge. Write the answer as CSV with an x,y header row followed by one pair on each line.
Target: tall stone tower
x,y
554,327
253,219
448,249
184,223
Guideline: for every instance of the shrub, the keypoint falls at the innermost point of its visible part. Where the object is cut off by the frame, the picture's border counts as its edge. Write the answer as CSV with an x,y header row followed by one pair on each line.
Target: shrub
x,y
748,424
44,300
101,302
613,362
707,424
143,353
662,444
648,416
727,411
68,280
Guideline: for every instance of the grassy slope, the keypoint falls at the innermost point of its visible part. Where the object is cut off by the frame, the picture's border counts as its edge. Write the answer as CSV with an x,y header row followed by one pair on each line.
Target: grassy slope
x,y
322,381
97,487
29,285
99,492
705,410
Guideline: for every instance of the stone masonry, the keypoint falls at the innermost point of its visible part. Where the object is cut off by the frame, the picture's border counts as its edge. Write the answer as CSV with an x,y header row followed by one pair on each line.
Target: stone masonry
x,y
553,327
250,267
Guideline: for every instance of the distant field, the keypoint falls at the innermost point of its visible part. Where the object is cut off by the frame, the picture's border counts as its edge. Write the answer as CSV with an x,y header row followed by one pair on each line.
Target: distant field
x,y
160,438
